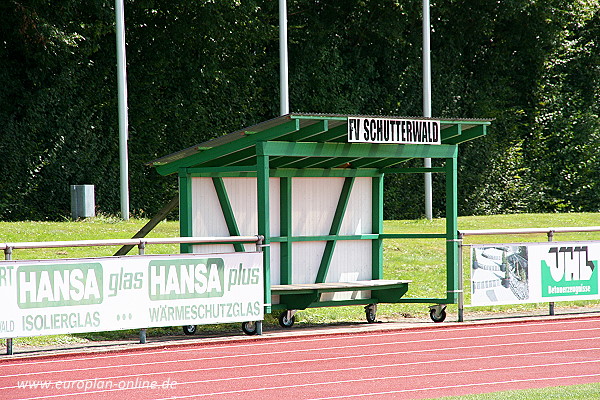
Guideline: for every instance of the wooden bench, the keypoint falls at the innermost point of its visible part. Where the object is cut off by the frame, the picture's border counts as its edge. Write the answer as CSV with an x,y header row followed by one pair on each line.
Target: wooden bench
x,y
300,296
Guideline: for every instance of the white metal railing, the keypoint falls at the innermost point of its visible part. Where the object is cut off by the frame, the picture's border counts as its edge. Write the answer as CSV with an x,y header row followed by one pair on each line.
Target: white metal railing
x,y
139,242
519,231
516,231
130,242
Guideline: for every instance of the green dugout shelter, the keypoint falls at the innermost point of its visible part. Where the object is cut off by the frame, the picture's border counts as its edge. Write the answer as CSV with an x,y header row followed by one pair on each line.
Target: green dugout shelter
x,y
312,185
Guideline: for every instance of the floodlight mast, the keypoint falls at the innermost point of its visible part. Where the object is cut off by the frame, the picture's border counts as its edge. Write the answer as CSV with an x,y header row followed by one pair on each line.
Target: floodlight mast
x,y
427,99
123,117
284,94
284,100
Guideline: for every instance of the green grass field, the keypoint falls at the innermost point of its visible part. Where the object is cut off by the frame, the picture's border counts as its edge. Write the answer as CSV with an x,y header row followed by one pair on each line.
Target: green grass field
x,y
576,392
420,260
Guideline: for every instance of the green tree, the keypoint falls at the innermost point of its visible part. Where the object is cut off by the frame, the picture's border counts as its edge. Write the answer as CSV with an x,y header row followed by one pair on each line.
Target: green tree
x,y
199,69
52,126
562,150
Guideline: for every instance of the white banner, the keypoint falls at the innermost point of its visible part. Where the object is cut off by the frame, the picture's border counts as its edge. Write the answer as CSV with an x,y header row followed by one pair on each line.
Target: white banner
x,y
397,131
534,273
45,297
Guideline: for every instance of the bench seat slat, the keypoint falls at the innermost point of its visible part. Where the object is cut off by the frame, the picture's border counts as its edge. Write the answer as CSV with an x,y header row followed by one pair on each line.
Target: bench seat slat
x,y
337,286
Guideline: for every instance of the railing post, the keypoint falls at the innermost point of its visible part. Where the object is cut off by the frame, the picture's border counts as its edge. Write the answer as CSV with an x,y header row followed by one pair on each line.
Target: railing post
x,y
259,247
551,304
142,251
142,248
9,341
259,243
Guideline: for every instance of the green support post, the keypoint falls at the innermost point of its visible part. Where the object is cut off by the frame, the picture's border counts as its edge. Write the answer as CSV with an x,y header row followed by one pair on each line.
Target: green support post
x,y
262,181
185,209
452,229
377,227
285,218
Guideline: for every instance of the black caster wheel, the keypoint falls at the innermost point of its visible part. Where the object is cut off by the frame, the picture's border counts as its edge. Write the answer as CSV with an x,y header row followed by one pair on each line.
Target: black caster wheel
x,y
250,328
286,322
189,329
437,316
371,314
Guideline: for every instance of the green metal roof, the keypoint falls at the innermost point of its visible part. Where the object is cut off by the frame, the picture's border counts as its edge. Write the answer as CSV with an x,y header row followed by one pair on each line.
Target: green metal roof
x,y
315,141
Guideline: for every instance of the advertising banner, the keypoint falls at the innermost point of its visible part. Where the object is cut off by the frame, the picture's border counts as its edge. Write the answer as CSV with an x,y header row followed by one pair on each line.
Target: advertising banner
x,y
46,297
534,273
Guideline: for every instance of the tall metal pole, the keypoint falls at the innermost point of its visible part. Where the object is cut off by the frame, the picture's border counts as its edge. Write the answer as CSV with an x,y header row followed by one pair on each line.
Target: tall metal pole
x,y
284,100
427,100
123,118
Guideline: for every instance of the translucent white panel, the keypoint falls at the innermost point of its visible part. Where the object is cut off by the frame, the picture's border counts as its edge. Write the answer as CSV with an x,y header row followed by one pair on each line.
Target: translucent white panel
x,y
275,272
306,258
314,201
351,261
242,193
358,216
207,217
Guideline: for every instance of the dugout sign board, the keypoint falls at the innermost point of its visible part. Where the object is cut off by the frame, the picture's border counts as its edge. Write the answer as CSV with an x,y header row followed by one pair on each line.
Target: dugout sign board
x,y
394,131
46,297
534,273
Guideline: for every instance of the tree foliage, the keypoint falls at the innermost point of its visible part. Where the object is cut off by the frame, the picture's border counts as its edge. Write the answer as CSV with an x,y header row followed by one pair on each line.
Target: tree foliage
x,y
199,69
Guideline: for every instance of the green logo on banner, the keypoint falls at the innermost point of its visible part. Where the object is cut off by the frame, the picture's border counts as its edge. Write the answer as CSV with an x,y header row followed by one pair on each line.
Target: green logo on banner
x,y
569,272
186,279
41,286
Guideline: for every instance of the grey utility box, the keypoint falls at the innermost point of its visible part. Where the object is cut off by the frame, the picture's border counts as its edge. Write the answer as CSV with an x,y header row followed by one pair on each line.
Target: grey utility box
x,y
83,203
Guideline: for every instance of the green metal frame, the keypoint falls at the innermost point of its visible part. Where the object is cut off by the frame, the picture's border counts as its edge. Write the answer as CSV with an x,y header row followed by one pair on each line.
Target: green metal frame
x,y
305,145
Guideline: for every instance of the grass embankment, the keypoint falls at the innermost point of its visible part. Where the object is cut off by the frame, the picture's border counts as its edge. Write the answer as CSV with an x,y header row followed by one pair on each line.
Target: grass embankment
x,y
575,392
420,260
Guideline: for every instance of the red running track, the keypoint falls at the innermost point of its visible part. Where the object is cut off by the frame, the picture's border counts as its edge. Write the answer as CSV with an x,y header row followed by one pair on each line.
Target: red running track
x,y
439,361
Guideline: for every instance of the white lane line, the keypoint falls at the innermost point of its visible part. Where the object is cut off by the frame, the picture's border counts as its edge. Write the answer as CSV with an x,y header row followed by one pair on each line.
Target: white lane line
x,y
268,341
381,378
320,350
406,364
553,378
369,379
313,360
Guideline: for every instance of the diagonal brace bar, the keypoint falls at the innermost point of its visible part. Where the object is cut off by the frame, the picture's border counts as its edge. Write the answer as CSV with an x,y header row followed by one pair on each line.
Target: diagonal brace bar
x,y
335,229
227,211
